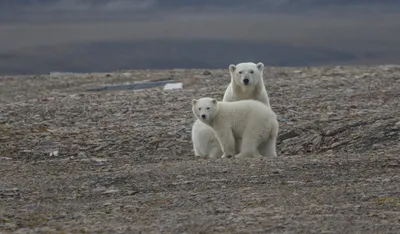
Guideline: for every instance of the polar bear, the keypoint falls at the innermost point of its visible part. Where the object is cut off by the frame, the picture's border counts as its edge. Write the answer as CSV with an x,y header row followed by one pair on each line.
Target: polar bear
x,y
249,120
246,83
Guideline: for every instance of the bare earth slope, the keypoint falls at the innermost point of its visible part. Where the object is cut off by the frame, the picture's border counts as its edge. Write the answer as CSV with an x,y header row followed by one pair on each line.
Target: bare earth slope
x,y
125,161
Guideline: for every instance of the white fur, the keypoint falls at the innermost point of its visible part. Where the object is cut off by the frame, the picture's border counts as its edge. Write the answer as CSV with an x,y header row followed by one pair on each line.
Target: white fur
x,y
249,120
254,89
204,141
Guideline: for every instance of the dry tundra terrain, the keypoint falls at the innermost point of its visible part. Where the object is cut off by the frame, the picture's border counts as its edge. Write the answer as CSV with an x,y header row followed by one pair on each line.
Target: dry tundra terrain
x,y
121,161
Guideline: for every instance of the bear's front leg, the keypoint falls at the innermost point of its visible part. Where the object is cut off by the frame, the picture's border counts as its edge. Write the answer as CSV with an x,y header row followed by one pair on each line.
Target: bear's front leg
x,y
227,142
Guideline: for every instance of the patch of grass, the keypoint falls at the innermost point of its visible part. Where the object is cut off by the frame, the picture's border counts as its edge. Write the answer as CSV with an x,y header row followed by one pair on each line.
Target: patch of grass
x,y
388,201
36,221
5,130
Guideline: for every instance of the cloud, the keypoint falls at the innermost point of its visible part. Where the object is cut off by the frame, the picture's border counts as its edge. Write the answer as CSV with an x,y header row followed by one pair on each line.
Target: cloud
x,y
79,5
133,5
75,10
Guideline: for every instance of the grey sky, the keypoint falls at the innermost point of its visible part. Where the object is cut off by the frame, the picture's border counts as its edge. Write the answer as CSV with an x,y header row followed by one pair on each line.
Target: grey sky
x,y
38,28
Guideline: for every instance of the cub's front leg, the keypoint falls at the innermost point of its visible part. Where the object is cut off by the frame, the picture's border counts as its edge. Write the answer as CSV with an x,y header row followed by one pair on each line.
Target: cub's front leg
x,y
227,141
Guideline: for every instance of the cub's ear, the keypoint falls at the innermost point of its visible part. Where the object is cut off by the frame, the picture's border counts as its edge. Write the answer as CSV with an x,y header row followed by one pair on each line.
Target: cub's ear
x,y
232,68
260,66
214,101
194,101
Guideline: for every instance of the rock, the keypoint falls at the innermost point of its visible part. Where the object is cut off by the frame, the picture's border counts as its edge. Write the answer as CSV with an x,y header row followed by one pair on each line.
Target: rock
x,y
10,225
206,73
127,74
287,135
111,191
98,148
131,193
99,189
283,120
99,160
277,171
13,192
82,154
375,146
317,139
222,210
220,229
140,148
173,87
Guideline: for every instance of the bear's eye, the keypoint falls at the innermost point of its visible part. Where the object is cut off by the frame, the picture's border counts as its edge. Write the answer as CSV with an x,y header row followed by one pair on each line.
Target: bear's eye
x,y
199,108
251,71
208,108
240,72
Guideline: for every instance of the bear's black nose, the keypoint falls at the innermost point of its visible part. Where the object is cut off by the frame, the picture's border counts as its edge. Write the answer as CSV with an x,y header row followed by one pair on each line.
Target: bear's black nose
x,y
246,81
203,116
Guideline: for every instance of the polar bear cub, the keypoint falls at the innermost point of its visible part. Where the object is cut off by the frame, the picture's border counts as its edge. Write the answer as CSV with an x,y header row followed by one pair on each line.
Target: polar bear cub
x,y
249,120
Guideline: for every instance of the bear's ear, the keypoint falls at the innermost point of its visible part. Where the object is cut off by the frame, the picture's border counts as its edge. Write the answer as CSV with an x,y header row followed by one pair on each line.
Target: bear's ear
x,y
194,101
232,68
214,101
260,66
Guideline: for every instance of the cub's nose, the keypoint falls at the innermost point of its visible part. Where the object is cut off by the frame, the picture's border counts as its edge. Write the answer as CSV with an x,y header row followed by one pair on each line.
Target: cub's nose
x,y
246,81
203,116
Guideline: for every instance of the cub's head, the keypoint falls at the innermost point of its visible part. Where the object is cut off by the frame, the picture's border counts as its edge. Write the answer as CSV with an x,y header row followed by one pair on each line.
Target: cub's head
x,y
205,109
247,74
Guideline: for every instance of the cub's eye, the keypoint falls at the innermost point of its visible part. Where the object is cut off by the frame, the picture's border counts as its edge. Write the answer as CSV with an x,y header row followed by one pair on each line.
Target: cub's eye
x,y
251,71
208,108
199,108
240,72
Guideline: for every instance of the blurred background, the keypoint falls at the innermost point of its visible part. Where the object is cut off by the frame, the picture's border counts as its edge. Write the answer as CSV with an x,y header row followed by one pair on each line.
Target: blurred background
x,y
40,36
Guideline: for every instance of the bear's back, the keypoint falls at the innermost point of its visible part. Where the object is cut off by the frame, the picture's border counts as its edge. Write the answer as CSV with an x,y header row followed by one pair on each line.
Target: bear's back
x,y
244,109
245,104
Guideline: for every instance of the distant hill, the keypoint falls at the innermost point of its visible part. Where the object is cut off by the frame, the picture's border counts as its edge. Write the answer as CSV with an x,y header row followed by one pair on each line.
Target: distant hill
x,y
165,54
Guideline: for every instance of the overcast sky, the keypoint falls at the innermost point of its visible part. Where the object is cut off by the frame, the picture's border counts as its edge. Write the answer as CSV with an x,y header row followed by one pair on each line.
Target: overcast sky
x,y
23,9
26,23
54,29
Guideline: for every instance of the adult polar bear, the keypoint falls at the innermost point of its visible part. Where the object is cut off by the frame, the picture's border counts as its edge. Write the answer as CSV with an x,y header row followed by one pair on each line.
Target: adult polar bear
x,y
246,83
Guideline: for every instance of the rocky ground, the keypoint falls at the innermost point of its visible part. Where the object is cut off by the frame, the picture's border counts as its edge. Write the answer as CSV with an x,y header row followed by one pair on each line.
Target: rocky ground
x,y
77,161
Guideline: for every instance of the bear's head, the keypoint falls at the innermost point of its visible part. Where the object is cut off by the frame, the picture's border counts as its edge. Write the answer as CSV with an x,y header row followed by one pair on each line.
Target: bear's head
x,y
247,74
205,109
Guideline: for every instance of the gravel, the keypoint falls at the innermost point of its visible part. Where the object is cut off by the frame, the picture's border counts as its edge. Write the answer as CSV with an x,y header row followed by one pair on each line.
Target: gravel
x,y
121,161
